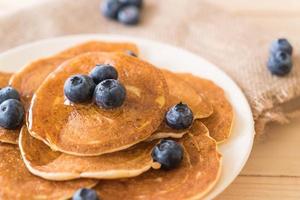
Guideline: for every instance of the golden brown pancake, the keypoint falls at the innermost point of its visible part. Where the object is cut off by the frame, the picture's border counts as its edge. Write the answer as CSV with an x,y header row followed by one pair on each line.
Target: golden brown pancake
x,y
194,177
164,131
17,182
31,76
54,165
180,91
220,122
4,79
85,129
7,136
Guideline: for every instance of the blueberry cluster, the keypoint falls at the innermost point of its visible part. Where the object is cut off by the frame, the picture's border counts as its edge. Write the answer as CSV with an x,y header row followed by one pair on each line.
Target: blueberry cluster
x,y
280,59
101,85
11,109
125,11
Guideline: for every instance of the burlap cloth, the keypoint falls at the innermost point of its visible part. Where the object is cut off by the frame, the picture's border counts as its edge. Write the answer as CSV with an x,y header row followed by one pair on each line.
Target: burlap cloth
x,y
238,47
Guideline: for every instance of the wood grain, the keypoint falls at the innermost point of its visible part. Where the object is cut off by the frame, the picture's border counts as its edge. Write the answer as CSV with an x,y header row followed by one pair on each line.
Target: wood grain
x,y
262,188
273,169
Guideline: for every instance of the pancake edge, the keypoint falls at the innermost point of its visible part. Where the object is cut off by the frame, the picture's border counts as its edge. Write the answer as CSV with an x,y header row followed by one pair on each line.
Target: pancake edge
x,y
64,176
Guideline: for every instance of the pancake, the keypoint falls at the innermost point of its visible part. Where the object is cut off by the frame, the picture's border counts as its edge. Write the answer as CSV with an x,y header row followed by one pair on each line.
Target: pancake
x,y
220,122
31,76
85,129
164,131
17,182
7,136
180,91
195,176
53,165
4,79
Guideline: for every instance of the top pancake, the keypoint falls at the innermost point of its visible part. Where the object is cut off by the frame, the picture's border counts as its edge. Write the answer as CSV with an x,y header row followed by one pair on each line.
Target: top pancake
x,y
7,136
220,122
27,80
194,177
18,183
53,165
31,76
87,129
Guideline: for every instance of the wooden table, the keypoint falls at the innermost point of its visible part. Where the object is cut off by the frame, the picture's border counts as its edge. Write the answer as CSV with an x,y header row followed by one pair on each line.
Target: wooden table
x,y
273,170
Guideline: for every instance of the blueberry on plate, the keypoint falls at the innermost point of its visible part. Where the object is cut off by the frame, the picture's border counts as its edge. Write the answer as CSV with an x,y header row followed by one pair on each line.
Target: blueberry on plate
x,y
137,3
103,72
168,153
85,194
109,94
11,114
280,63
110,8
79,88
8,93
179,116
129,15
281,44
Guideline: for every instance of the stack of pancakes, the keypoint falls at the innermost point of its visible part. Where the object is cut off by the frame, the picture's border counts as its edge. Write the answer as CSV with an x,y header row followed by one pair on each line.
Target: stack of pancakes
x,y
62,146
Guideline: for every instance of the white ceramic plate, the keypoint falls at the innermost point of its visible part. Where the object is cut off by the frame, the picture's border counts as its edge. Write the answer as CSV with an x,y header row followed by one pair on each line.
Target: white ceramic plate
x,y
235,151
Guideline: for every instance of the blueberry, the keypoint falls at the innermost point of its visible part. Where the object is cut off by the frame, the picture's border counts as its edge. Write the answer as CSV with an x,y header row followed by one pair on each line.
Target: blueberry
x,y
179,116
280,63
103,72
281,44
129,15
79,88
11,114
137,3
109,93
85,194
168,153
110,8
8,93
131,53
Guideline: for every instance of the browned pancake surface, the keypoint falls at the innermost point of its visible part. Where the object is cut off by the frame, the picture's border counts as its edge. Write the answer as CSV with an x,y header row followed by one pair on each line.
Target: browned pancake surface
x,y
7,136
17,182
82,129
220,122
196,175
180,91
44,162
31,76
